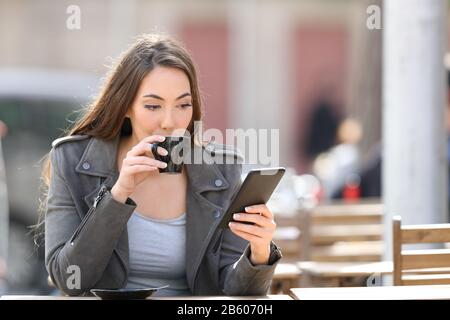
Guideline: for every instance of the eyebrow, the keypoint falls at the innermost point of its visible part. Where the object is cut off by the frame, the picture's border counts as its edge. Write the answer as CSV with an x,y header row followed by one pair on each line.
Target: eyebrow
x,y
151,95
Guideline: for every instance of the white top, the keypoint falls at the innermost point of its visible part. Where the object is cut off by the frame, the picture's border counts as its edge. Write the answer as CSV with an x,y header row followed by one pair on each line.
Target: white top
x,y
158,254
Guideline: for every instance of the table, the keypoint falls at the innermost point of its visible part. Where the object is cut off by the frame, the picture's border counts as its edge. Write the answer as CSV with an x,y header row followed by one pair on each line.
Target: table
x,y
286,276
343,274
427,292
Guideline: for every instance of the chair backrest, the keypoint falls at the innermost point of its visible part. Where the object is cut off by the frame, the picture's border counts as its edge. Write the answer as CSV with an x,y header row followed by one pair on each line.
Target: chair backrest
x,y
345,232
289,234
420,266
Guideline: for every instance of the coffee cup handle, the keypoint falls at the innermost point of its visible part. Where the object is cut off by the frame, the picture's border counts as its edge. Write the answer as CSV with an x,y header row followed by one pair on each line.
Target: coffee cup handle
x,y
154,149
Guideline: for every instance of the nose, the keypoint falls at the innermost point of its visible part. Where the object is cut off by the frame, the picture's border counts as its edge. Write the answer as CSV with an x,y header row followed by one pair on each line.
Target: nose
x,y
167,122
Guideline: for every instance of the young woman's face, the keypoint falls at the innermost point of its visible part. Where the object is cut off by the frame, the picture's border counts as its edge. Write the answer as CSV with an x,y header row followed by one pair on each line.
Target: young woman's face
x,y
162,105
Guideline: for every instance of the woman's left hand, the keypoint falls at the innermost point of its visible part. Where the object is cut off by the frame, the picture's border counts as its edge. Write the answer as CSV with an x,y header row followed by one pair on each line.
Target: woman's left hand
x,y
259,234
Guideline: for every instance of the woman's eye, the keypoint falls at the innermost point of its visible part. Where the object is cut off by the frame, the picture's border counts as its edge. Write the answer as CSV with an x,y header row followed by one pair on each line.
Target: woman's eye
x,y
185,105
152,106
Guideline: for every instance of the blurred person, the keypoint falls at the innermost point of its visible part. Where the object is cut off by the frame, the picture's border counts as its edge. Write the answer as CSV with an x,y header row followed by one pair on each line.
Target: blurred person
x,y
323,125
113,215
371,171
339,166
371,174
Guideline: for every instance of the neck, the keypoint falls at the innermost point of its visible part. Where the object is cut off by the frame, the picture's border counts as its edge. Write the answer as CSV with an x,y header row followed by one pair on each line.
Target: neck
x,y
130,141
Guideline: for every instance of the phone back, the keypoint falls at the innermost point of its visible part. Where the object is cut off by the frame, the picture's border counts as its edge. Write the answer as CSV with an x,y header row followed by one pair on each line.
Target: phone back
x,y
257,188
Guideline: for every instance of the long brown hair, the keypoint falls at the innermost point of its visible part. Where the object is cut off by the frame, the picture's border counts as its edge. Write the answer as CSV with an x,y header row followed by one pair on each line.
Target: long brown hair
x,y
105,117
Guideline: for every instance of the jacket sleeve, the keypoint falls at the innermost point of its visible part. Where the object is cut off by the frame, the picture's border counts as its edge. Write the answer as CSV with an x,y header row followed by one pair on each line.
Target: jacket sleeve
x,y
238,276
78,251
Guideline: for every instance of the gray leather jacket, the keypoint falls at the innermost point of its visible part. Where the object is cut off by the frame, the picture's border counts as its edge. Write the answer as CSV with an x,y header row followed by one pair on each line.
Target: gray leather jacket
x,y
86,228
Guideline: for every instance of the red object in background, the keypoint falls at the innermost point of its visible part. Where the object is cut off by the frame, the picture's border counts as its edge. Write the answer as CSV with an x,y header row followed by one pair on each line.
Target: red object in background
x,y
352,190
352,193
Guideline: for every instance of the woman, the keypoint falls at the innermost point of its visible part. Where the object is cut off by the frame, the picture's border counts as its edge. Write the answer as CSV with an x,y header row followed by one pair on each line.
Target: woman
x,y
113,221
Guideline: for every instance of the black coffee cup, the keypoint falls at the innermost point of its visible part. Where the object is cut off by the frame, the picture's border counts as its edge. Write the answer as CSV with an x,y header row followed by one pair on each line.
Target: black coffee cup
x,y
175,147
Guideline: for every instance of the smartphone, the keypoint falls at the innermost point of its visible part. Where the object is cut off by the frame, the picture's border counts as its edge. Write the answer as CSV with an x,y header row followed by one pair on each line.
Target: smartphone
x,y
257,188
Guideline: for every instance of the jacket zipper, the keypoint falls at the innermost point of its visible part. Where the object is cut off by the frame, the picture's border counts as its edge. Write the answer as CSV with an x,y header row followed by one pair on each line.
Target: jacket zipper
x,y
99,197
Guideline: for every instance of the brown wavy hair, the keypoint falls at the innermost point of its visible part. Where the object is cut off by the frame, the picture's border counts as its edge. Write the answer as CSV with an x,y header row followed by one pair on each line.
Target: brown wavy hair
x,y
105,117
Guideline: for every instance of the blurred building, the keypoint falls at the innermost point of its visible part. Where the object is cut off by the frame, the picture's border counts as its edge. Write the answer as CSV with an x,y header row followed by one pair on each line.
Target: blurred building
x,y
261,63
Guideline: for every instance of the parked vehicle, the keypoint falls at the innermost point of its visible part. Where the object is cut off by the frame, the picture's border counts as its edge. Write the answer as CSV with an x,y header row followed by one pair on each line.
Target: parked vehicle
x,y
36,106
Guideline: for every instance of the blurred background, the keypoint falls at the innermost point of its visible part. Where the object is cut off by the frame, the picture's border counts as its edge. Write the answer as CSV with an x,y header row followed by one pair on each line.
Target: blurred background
x,y
310,68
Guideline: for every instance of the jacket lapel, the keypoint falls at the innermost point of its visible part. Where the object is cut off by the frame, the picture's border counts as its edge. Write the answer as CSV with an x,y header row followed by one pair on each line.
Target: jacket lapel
x,y
202,213
99,160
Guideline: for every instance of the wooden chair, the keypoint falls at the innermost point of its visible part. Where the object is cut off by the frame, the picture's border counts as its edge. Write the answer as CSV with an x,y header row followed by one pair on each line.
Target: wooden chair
x,y
342,234
345,232
420,266
288,236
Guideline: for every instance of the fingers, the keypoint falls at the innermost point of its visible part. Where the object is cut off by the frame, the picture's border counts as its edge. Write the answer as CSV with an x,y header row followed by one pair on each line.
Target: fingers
x,y
256,219
263,225
251,229
140,168
160,150
142,160
145,146
137,161
261,209
154,138
247,236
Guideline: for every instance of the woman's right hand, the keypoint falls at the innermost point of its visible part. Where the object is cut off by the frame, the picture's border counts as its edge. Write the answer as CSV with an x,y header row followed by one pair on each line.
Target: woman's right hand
x,y
136,167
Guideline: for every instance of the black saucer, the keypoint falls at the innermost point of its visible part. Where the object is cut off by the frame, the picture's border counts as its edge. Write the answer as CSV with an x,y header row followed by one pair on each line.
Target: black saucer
x,y
125,294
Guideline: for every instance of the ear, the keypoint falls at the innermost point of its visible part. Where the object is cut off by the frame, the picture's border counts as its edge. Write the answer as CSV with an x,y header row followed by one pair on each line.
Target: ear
x,y
128,113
